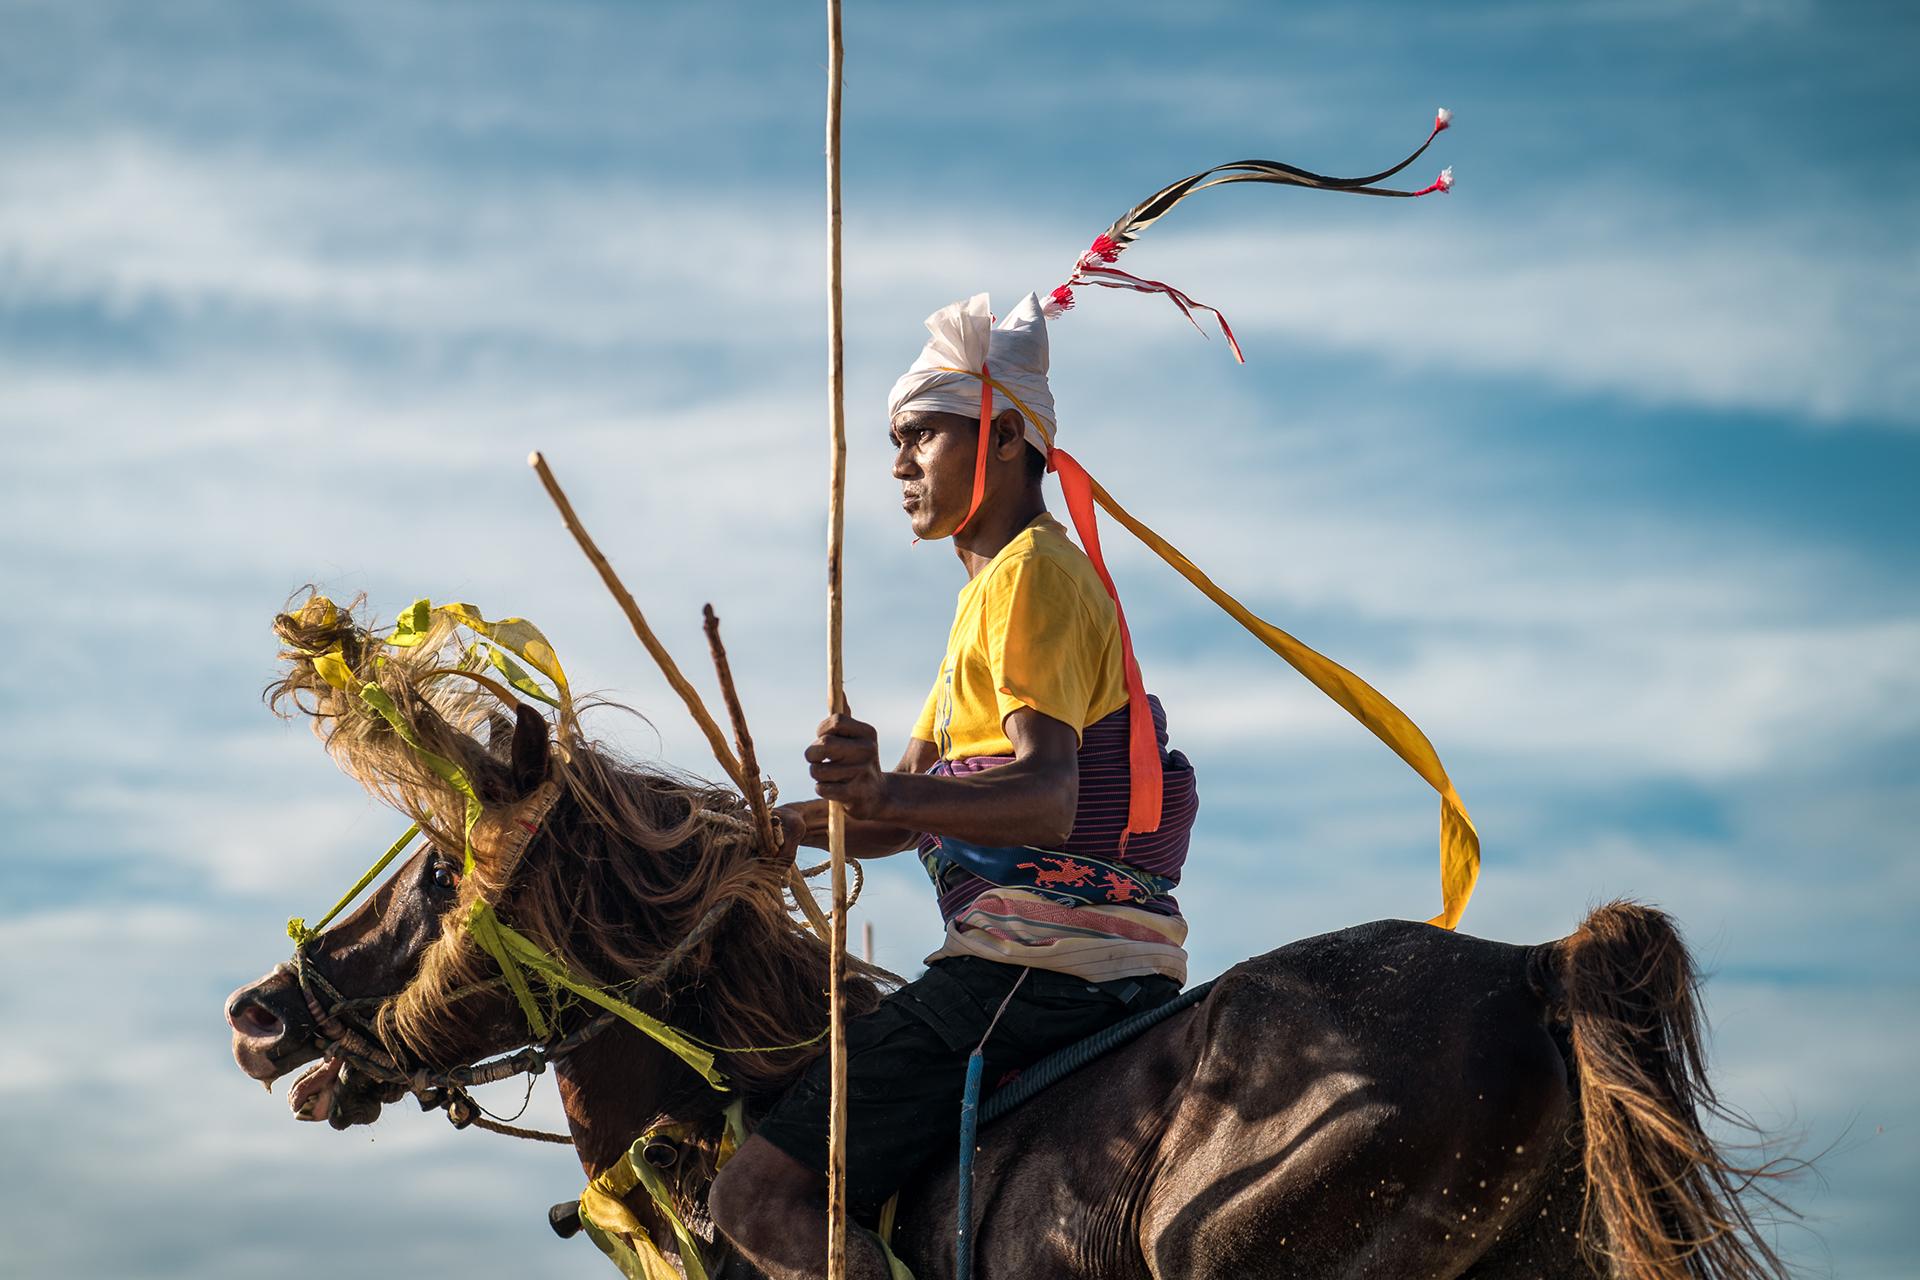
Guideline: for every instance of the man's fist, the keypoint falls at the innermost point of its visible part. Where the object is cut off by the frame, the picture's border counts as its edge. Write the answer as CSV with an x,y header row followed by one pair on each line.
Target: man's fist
x,y
845,763
791,829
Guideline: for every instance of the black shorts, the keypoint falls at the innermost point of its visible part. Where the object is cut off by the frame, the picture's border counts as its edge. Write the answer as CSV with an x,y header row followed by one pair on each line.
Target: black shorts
x,y
907,1063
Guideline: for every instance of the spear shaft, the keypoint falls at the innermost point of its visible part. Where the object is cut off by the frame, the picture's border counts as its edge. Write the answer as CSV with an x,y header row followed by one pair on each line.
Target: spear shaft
x,y
836,685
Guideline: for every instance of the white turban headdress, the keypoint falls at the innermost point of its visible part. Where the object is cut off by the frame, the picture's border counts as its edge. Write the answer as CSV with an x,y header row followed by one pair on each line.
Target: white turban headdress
x,y
963,341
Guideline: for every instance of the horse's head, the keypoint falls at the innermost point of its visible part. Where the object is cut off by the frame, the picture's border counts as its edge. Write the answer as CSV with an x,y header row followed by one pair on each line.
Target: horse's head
x,y
357,976
496,936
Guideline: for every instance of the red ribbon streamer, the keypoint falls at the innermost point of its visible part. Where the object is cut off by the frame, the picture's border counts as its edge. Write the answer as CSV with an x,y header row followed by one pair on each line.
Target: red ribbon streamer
x,y
1143,747
986,437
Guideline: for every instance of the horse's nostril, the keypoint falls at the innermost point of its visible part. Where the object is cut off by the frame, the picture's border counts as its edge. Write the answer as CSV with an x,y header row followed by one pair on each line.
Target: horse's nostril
x,y
250,1017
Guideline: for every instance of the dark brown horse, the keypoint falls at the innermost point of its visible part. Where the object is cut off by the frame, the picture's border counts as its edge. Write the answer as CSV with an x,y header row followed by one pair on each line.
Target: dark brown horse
x,y
1389,1100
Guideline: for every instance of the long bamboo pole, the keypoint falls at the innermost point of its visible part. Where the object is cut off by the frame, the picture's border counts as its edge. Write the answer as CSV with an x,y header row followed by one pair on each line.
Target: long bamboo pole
x,y
688,694
836,683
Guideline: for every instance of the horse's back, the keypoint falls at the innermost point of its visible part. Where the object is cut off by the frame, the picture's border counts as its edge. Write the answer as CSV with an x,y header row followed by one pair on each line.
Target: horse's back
x,y
1394,983
1285,1125
1360,1102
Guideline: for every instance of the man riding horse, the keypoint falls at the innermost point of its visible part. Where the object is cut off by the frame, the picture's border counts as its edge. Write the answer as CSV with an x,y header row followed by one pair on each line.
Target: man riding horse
x,y
1037,785
1018,764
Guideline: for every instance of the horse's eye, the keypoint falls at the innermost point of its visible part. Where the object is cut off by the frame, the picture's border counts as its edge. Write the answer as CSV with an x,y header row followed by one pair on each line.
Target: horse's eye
x,y
443,877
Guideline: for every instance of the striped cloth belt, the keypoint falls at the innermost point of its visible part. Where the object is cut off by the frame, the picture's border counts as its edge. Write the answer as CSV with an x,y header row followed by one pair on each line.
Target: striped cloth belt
x,y
1072,880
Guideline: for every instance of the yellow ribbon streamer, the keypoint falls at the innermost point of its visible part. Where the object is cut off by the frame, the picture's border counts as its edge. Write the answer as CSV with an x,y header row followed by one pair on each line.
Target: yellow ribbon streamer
x,y
1459,840
620,1234
517,676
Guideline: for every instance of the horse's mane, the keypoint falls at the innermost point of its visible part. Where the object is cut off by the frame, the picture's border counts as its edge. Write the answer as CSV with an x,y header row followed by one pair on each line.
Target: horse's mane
x,y
631,860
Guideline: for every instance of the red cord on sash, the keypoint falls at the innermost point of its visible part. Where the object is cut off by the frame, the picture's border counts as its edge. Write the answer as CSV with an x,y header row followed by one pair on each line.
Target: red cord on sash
x,y
1143,746
986,439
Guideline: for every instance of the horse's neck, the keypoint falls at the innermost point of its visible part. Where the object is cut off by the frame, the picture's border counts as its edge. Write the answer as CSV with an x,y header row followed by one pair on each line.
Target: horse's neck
x,y
613,1086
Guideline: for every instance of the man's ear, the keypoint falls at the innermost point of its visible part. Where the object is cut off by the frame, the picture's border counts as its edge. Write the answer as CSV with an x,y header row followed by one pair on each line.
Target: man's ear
x,y
1009,434
527,766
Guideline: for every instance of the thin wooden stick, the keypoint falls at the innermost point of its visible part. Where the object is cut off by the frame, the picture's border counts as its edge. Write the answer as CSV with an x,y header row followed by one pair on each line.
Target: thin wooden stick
x,y
671,670
742,740
750,765
836,684
668,667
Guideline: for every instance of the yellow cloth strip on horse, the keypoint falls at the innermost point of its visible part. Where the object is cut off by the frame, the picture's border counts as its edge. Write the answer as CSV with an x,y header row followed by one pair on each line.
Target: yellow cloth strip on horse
x,y
514,635
612,1226
622,1236
516,950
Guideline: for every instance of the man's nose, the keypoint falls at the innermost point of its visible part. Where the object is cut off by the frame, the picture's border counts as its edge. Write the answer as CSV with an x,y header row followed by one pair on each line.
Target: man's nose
x,y
903,465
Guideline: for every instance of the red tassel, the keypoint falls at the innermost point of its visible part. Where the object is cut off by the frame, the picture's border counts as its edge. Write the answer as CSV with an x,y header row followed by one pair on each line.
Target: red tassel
x,y
980,454
1144,792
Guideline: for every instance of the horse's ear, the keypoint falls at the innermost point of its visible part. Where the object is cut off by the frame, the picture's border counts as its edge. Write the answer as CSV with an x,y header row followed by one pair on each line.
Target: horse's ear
x,y
531,744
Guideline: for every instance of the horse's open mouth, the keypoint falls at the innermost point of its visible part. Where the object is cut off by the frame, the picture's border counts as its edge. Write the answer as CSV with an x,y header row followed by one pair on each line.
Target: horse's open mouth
x,y
273,1037
312,1095
333,1091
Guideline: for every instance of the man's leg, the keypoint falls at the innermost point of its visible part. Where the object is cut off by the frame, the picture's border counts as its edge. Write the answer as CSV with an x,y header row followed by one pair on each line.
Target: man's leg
x,y
774,1209
906,1069
906,1066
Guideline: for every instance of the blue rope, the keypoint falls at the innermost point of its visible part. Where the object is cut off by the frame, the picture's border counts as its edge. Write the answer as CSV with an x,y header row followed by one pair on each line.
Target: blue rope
x,y
1064,1062
1031,1081
969,1125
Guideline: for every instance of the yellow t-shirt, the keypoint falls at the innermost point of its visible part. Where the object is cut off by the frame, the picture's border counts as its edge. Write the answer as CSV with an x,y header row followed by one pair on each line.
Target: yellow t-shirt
x,y
1034,628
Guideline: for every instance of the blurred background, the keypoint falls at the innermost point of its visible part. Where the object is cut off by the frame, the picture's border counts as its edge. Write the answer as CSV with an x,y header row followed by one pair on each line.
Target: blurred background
x,y
1604,468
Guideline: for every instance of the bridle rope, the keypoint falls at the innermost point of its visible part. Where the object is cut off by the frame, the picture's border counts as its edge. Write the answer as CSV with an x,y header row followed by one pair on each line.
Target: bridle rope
x,y
344,1034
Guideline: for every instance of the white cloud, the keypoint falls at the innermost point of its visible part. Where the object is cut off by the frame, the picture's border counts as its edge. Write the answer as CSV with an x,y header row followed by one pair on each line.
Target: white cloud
x,y
1618,295
1622,296
1705,703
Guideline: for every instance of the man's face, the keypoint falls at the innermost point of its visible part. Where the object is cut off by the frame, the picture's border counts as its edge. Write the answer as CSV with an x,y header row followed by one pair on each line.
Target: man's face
x,y
933,461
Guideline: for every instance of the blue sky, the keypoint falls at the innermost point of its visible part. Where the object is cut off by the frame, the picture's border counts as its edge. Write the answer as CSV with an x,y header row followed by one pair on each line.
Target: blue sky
x,y
1602,468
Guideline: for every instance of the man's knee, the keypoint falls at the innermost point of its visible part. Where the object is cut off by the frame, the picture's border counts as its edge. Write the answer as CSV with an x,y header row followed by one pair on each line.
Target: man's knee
x,y
763,1197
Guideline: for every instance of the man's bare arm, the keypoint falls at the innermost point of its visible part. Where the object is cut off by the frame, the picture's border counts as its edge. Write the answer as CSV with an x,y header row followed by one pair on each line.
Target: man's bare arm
x,y
864,839
1030,801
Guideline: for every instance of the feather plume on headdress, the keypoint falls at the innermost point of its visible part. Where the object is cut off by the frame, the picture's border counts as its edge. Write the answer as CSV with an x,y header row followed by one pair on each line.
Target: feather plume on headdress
x,y
1095,265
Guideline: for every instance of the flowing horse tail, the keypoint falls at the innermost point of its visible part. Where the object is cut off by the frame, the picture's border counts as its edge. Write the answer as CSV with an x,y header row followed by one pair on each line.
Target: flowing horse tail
x,y
1663,1200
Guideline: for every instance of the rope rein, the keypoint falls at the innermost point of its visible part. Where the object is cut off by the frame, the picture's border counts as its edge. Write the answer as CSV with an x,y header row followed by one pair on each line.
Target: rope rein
x,y
345,1034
